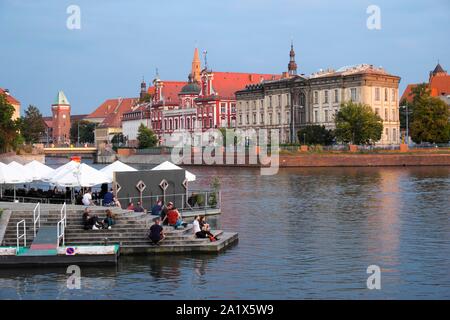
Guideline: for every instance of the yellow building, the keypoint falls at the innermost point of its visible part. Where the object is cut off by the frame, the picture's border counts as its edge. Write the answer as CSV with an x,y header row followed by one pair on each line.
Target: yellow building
x,y
13,101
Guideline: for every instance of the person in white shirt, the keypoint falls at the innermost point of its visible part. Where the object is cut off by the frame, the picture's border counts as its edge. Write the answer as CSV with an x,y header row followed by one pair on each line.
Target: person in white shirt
x,y
87,199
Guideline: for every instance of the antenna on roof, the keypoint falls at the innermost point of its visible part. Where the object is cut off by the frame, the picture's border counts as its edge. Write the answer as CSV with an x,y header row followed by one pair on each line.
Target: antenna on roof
x,y
157,73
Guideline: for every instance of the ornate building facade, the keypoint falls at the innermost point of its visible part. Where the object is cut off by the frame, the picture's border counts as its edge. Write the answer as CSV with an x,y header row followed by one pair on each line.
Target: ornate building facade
x,y
207,100
295,101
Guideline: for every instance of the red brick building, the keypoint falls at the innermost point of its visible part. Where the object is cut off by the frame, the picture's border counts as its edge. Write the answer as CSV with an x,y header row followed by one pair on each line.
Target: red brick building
x,y
61,119
438,83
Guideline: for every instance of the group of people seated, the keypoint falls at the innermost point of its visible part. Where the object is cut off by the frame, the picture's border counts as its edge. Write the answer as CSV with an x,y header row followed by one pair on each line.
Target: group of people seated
x,y
136,208
93,222
169,215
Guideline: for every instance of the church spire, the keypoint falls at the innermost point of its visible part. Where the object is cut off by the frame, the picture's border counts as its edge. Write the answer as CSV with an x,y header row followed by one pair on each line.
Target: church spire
x,y
292,66
196,66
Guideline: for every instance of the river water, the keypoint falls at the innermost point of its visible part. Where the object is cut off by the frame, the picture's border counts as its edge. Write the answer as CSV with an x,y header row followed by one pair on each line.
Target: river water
x,y
304,233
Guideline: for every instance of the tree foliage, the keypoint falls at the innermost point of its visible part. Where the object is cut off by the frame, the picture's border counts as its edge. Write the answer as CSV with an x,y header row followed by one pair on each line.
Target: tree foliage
x,y
32,125
146,137
430,117
315,134
356,123
86,131
9,137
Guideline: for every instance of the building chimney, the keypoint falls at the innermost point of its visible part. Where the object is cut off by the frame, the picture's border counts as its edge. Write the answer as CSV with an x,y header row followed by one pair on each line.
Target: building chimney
x,y
7,92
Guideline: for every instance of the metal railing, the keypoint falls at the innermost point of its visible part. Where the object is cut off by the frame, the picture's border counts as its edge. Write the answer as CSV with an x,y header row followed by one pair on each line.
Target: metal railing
x,y
64,214
190,201
36,217
24,235
60,231
61,226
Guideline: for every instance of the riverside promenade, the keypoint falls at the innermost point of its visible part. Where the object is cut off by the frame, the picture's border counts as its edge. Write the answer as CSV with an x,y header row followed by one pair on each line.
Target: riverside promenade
x,y
323,159
129,232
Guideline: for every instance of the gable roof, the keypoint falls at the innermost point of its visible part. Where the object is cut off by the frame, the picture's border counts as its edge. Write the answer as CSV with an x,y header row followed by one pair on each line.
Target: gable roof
x,y
9,97
440,85
111,111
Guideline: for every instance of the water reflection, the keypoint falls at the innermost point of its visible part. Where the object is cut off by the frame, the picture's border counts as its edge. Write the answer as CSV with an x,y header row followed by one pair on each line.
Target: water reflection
x,y
304,233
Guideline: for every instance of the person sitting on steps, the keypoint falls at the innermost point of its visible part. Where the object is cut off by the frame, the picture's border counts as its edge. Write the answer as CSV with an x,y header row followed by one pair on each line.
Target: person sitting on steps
x,y
91,221
205,230
109,221
156,232
173,216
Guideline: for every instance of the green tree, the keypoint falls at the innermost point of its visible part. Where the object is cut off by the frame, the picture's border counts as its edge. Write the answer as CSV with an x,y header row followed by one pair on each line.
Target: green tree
x,y
32,125
146,137
356,123
315,134
86,131
430,117
118,139
8,127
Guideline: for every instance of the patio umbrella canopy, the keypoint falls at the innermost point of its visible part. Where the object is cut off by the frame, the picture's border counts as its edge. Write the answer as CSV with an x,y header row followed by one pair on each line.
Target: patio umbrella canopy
x,y
72,165
14,173
38,170
80,176
167,165
116,166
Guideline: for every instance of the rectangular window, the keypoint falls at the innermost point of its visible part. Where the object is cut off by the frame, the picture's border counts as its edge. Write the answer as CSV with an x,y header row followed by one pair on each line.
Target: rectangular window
x,y
240,119
233,108
377,111
353,94
326,115
386,94
316,97
336,96
377,94
287,117
254,118
223,107
325,96
270,101
279,118
279,100
270,119
262,118
386,115
393,95
316,116
248,120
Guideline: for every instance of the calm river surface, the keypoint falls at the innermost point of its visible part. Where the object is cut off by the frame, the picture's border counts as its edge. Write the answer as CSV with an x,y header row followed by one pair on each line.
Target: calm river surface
x,y
303,233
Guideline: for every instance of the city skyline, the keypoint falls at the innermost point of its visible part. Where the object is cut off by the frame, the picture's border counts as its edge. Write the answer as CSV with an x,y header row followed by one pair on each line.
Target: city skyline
x,y
115,48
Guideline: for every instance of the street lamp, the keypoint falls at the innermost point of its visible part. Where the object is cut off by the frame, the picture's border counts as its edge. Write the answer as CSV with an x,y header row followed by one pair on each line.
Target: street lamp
x,y
407,121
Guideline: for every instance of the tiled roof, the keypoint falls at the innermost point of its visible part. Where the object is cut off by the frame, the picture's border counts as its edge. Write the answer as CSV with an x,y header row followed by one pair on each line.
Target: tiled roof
x,y
407,93
170,91
112,110
225,84
9,97
440,85
349,70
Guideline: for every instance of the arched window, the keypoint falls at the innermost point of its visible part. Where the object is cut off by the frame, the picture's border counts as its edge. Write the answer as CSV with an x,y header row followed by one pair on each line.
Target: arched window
x,y
188,123
176,124
170,124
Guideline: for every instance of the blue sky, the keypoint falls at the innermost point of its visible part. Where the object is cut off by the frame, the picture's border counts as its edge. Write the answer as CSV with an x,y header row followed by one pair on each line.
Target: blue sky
x,y
121,41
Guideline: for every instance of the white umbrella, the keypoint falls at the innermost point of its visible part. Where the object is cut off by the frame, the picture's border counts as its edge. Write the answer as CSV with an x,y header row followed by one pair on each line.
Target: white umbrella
x,y
167,165
69,166
14,173
39,170
81,176
116,166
